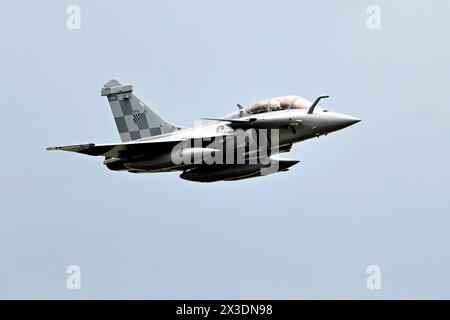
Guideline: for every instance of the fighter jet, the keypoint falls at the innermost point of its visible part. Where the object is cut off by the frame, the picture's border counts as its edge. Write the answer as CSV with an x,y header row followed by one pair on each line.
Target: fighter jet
x,y
244,144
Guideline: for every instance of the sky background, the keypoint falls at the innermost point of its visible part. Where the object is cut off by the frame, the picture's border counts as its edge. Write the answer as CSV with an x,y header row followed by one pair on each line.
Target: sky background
x,y
376,193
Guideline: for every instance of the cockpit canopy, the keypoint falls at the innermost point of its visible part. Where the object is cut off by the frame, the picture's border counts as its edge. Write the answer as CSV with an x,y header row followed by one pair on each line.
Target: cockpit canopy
x,y
278,103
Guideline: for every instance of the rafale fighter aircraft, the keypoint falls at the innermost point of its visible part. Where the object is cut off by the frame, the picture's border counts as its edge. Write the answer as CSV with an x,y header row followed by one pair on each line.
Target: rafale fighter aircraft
x,y
238,146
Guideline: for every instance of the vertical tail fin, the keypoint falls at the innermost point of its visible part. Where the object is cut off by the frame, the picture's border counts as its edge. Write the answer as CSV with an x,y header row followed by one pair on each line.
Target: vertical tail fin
x,y
134,119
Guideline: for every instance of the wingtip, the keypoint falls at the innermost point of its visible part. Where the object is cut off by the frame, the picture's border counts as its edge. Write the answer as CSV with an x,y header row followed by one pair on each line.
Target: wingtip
x,y
73,148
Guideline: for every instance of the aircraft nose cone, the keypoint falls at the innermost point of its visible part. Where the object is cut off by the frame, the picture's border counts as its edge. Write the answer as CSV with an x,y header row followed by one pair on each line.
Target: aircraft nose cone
x,y
339,121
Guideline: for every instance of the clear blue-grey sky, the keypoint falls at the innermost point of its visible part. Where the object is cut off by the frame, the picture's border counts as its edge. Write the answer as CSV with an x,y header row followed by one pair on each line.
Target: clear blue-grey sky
x,y
376,193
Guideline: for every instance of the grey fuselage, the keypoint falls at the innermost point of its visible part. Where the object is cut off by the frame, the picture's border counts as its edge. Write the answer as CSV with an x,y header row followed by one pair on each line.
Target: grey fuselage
x,y
292,125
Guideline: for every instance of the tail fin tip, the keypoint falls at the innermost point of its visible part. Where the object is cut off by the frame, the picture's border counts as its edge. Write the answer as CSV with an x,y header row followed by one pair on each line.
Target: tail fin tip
x,y
112,83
